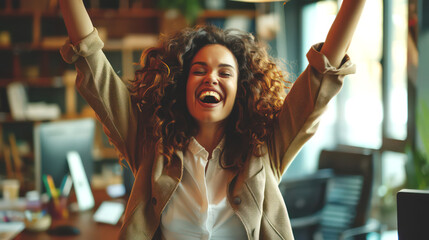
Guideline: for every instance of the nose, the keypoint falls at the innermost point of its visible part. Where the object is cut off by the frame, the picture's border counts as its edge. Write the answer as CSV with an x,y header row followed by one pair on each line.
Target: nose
x,y
211,80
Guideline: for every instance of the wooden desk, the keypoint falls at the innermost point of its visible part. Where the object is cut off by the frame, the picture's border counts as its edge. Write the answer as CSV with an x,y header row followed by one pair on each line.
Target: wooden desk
x,y
89,229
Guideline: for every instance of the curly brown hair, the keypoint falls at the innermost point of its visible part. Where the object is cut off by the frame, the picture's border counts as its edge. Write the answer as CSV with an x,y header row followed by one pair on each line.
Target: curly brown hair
x,y
159,90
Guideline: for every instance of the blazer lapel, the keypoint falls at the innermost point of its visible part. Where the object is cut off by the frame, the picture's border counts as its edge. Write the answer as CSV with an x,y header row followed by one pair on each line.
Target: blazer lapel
x,y
165,178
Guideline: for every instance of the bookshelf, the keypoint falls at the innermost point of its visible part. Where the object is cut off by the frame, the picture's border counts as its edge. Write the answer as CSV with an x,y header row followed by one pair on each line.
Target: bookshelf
x,y
31,33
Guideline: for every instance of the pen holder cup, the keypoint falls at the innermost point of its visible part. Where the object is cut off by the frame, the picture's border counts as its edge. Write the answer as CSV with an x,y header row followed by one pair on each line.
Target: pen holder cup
x,y
57,208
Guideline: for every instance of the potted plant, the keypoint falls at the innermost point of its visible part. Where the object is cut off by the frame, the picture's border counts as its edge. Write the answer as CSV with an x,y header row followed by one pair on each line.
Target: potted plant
x,y
416,169
417,166
178,14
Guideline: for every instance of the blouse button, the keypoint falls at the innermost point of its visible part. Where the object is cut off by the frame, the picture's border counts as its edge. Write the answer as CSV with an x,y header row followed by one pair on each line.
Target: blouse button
x,y
154,201
237,200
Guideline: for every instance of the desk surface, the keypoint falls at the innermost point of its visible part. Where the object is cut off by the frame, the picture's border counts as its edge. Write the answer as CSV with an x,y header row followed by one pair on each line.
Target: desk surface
x,y
89,229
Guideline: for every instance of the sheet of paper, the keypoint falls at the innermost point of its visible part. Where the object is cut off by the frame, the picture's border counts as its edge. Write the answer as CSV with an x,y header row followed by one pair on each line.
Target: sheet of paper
x,y
109,212
9,230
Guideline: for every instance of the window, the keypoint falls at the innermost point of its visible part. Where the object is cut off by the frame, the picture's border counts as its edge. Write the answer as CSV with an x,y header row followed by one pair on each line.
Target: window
x,y
396,125
371,109
360,102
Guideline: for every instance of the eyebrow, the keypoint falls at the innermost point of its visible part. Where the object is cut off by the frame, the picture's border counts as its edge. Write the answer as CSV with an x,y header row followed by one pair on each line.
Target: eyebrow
x,y
220,65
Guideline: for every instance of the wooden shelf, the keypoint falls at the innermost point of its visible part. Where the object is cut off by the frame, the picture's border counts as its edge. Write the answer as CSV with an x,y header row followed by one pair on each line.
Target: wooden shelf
x,y
126,43
9,119
31,82
227,13
124,13
22,12
32,47
128,13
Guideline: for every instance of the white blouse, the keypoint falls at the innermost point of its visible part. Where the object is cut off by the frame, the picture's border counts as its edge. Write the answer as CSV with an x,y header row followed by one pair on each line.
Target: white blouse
x,y
199,208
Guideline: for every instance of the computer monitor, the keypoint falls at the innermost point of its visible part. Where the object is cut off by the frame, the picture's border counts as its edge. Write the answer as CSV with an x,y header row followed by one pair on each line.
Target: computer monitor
x,y
412,214
54,140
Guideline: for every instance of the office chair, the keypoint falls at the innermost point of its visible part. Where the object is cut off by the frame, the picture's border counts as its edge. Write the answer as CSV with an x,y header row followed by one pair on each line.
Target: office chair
x,y
346,213
305,199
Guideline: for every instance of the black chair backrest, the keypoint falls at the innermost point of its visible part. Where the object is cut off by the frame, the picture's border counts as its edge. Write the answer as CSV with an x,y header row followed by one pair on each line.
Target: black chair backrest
x,y
305,199
349,197
306,195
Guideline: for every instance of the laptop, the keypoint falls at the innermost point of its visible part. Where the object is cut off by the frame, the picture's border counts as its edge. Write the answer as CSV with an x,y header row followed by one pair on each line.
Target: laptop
x,y
413,214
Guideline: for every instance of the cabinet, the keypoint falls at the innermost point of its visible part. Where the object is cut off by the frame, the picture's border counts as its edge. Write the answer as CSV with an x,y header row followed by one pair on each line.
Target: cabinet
x,y
31,32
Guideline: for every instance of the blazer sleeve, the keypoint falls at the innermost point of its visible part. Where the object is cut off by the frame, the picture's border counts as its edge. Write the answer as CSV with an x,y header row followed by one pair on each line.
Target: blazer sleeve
x,y
106,93
304,104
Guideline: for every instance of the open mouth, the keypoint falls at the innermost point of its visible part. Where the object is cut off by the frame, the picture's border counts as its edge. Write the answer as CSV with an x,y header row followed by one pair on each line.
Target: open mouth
x,y
210,97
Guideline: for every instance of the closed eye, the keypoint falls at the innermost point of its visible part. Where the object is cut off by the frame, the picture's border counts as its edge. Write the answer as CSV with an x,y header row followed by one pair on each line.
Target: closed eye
x,y
225,74
199,72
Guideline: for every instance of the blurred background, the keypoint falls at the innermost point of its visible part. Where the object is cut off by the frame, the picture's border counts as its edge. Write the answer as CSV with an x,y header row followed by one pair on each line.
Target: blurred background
x,y
383,108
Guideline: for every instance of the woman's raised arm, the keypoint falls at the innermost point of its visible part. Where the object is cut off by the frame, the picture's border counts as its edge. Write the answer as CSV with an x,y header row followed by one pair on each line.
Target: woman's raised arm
x,y
341,32
76,18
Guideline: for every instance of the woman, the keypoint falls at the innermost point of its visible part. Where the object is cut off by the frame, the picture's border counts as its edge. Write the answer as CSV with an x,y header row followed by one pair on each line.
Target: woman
x,y
206,126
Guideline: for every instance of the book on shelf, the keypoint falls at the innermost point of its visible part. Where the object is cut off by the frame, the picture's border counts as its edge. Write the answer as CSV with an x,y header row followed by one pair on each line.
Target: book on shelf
x,y
21,109
17,98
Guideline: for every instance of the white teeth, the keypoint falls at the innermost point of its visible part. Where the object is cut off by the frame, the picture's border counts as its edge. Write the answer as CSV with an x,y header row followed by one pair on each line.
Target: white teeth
x,y
211,94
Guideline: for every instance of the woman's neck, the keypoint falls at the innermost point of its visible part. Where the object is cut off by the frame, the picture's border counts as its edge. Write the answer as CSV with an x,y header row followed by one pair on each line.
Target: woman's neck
x,y
209,136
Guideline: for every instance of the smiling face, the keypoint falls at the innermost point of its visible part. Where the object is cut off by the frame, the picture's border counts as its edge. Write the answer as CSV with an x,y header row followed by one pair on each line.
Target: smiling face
x,y
212,84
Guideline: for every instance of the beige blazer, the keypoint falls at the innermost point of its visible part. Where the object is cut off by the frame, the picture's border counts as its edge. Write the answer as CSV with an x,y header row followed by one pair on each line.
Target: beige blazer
x,y
252,192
